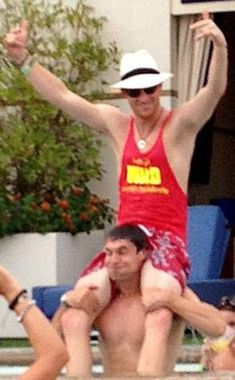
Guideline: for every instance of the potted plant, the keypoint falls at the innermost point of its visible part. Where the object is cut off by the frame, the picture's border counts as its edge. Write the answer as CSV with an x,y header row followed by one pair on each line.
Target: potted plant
x,y
46,160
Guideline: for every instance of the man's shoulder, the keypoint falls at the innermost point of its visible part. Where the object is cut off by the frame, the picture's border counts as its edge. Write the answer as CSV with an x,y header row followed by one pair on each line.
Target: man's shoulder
x,y
113,114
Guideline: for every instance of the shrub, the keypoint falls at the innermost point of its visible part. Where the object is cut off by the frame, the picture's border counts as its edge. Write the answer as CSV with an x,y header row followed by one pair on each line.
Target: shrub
x,y
46,160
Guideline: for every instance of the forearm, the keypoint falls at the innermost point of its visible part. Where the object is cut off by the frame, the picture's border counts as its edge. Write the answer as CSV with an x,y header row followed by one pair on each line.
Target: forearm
x,y
202,316
53,90
47,85
50,352
40,331
217,76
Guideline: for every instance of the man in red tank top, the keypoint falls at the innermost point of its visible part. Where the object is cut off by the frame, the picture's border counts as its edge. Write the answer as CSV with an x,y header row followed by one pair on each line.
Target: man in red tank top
x,y
154,150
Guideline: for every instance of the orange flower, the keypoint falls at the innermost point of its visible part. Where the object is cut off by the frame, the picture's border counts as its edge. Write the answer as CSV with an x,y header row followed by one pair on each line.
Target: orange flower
x,y
84,217
67,218
77,190
94,200
63,203
93,208
45,206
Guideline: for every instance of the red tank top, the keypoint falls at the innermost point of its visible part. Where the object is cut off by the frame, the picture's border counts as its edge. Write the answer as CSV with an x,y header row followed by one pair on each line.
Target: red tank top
x,y
149,193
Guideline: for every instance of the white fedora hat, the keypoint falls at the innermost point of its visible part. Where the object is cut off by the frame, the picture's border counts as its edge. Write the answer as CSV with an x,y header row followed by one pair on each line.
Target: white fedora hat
x,y
139,70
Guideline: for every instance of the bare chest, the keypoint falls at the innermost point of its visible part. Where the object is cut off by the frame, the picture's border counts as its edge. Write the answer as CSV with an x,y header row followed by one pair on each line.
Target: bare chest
x,y
122,322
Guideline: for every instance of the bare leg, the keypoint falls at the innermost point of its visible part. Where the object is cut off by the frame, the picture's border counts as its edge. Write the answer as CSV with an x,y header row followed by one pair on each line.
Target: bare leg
x,y
76,326
158,322
56,320
76,322
174,344
154,349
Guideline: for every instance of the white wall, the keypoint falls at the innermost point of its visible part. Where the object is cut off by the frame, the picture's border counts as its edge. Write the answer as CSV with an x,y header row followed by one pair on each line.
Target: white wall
x,y
37,260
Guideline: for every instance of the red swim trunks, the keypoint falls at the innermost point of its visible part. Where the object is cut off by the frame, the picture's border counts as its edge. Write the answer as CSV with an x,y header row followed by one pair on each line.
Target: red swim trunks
x,y
167,252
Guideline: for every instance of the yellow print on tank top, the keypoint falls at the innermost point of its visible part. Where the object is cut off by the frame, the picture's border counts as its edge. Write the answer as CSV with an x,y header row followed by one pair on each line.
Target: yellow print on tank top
x,y
138,175
144,179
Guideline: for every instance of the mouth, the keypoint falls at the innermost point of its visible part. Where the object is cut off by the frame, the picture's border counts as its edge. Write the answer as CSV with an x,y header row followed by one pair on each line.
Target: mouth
x,y
116,269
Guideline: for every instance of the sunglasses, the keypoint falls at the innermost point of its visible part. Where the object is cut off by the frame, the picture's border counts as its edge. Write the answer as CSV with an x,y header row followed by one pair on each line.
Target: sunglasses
x,y
227,303
135,92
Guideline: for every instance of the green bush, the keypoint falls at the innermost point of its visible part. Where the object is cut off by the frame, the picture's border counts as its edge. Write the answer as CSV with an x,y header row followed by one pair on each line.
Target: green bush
x,y
47,160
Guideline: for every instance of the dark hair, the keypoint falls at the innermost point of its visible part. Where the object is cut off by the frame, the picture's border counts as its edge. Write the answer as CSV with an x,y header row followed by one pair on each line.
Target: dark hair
x,y
130,232
227,303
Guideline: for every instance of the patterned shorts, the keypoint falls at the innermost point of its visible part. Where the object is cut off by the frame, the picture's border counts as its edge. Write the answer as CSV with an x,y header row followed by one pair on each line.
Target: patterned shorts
x,y
167,253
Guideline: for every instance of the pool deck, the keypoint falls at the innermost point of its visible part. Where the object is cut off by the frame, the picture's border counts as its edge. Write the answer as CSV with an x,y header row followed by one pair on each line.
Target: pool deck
x,y
206,376
25,356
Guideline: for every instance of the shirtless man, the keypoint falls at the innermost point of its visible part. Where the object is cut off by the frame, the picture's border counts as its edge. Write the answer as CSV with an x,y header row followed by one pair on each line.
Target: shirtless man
x,y
121,323
154,149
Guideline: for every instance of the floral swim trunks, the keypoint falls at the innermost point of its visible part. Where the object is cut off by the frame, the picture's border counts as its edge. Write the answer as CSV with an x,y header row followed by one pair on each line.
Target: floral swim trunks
x,y
167,253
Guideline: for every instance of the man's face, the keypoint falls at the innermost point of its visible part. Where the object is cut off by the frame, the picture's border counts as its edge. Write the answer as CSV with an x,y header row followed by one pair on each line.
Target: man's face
x,y
144,105
122,259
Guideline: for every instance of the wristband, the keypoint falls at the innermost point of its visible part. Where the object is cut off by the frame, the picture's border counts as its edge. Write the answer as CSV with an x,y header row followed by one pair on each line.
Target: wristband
x,y
26,70
27,65
23,60
15,300
63,301
24,312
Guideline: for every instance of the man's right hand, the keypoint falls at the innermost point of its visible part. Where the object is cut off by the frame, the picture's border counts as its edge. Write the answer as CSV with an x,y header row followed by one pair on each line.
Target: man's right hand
x,y
16,42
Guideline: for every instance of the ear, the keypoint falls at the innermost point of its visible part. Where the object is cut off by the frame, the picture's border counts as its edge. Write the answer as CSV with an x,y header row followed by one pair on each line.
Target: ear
x,y
159,87
143,253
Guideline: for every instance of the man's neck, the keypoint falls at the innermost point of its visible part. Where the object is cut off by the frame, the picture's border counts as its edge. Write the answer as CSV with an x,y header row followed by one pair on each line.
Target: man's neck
x,y
151,123
130,286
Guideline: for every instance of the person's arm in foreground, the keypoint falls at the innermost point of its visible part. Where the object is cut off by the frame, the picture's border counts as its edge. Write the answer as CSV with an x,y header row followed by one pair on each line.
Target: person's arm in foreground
x,y
202,316
50,351
52,89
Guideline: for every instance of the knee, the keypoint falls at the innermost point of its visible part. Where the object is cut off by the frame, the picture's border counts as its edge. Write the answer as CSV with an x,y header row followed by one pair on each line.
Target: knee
x,y
75,321
84,298
156,298
160,319
157,313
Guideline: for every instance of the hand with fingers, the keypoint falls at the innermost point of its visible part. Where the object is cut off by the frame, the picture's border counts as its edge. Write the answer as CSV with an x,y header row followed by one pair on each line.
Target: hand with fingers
x,y
207,28
16,42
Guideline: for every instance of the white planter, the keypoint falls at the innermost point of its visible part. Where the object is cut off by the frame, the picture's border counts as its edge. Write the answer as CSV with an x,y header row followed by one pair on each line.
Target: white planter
x,y
50,259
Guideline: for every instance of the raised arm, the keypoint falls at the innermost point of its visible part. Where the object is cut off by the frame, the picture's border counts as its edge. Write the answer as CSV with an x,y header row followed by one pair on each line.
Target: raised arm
x,y
199,109
50,352
52,89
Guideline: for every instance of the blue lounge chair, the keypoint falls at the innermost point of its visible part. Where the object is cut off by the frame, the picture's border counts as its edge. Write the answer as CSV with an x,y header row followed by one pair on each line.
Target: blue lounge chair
x,y
209,235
